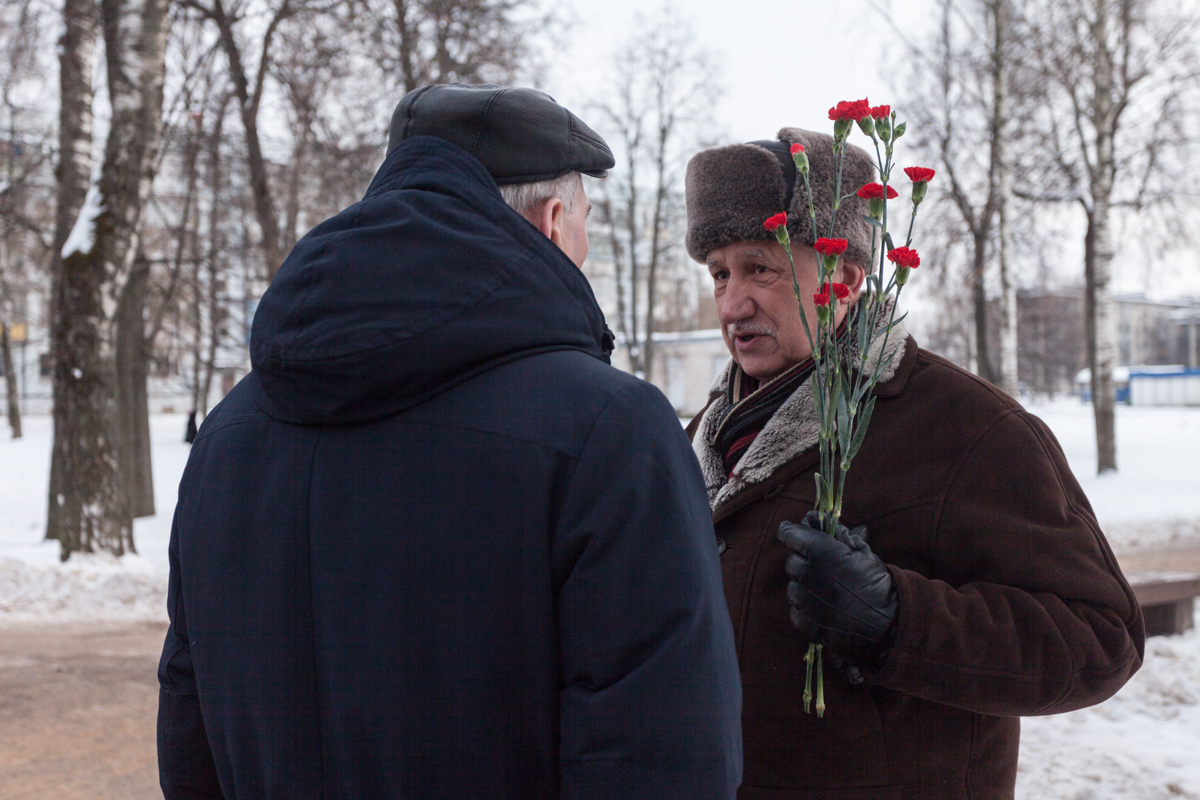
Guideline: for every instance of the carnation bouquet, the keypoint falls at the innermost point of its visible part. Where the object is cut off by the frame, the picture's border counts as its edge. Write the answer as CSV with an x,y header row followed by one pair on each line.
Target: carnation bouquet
x,y
843,386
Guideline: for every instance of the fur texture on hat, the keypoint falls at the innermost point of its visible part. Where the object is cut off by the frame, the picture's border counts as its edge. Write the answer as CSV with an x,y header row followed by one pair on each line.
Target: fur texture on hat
x,y
732,190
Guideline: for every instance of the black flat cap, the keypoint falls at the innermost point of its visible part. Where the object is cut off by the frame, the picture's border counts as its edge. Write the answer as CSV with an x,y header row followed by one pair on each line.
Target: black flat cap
x,y
520,135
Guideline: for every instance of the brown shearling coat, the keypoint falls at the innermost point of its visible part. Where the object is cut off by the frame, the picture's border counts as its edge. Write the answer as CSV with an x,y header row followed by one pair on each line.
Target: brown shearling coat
x,y
1011,603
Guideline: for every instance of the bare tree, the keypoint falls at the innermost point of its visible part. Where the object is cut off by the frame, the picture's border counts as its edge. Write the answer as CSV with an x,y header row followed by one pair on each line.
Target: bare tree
x,y
663,85
960,101
20,223
249,88
1000,15
89,501
68,308
453,41
1115,73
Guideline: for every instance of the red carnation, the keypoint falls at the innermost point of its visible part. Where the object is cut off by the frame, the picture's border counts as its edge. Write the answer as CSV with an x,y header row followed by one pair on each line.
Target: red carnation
x,y
841,290
797,148
874,191
904,257
851,109
821,299
831,247
880,112
777,221
919,174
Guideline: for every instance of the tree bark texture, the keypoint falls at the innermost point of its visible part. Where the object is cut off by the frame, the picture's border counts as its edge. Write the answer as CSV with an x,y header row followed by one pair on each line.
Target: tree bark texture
x,y
13,409
71,306
1002,164
92,484
132,398
1103,396
983,352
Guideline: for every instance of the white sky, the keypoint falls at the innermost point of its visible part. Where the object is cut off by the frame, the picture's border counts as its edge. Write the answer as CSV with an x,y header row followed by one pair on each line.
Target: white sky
x,y
786,62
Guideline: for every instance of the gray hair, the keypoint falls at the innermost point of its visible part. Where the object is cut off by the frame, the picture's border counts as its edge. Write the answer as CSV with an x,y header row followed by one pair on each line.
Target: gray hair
x,y
525,197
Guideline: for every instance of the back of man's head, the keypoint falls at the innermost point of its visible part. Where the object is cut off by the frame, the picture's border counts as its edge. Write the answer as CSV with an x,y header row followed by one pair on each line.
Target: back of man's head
x,y
533,147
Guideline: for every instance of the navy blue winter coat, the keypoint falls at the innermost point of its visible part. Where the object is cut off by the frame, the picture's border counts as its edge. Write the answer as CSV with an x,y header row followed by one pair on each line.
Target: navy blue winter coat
x,y
433,546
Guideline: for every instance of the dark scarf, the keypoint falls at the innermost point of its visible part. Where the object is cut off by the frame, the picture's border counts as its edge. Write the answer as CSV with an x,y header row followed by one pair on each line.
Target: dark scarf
x,y
751,405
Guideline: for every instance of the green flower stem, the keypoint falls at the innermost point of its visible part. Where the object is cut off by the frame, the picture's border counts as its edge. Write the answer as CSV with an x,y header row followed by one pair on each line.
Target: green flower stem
x,y
820,682
808,658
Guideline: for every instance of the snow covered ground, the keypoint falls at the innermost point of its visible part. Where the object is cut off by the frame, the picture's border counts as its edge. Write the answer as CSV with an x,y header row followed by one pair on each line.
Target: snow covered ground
x,y
1143,744
34,584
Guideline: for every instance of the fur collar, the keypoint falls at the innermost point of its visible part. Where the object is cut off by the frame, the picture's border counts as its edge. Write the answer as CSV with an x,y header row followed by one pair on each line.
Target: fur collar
x,y
791,431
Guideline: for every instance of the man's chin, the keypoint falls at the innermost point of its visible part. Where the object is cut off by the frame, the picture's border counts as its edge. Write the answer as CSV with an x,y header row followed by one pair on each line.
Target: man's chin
x,y
759,368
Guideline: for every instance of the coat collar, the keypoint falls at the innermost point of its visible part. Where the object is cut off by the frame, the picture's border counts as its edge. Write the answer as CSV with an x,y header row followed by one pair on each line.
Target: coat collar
x,y
787,442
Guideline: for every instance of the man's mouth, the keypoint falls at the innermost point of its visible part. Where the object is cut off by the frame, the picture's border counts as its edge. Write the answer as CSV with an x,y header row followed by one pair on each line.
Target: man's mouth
x,y
745,338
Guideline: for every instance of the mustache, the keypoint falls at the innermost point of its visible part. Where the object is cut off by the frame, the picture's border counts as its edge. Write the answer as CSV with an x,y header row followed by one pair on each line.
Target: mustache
x,y
743,328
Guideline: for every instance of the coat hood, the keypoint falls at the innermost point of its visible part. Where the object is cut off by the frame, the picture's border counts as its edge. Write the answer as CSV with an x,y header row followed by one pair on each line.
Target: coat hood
x,y
427,281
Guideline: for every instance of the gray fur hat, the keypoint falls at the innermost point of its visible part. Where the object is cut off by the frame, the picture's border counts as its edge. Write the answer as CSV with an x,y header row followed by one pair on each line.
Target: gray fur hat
x,y
732,190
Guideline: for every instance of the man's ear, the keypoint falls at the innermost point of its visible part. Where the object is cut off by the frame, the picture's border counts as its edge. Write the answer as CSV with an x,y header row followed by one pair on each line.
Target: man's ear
x,y
855,278
548,218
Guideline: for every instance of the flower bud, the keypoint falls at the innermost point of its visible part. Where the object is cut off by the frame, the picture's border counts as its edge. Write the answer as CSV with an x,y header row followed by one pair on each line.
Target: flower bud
x,y
918,193
902,275
841,129
801,159
867,125
875,205
883,127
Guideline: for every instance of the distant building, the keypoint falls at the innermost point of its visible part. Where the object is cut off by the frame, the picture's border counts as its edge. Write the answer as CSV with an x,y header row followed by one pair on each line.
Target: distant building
x,y
1052,341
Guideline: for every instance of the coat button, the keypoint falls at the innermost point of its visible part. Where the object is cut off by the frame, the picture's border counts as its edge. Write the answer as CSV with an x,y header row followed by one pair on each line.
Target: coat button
x,y
720,546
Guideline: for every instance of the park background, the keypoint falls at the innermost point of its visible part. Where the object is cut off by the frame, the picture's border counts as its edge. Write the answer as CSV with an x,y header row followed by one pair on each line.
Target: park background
x,y
265,132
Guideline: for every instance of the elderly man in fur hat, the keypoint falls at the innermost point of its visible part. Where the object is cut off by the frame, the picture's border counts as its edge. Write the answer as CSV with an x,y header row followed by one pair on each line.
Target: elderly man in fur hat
x,y
976,586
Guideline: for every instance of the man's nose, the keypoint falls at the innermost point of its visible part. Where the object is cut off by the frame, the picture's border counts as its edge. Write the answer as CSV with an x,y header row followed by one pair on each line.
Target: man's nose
x,y
735,304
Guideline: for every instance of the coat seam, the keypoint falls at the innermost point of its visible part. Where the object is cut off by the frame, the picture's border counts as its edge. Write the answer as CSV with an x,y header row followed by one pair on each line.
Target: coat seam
x,y
1090,521
312,603
583,449
936,522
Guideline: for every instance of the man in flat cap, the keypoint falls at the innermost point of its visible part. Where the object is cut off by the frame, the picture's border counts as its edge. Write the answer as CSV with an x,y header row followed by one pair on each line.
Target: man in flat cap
x,y
978,588
434,546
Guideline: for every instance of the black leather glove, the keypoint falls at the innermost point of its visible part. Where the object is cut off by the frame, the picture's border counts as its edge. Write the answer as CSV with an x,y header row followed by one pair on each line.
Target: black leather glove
x,y
842,595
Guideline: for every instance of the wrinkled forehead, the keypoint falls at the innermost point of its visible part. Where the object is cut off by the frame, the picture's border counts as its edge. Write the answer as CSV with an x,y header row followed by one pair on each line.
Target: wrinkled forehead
x,y
741,251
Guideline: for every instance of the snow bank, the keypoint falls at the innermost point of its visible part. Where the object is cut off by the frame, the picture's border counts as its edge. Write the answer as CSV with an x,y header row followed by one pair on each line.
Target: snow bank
x,y
86,587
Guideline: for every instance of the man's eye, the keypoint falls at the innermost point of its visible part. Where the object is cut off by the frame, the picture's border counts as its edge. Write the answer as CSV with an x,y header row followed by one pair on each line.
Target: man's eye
x,y
720,275
759,269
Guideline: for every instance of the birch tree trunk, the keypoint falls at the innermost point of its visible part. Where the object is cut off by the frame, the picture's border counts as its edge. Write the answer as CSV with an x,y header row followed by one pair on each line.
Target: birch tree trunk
x,y
1103,396
983,351
13,410
98,267
1002,163
132,399
70,304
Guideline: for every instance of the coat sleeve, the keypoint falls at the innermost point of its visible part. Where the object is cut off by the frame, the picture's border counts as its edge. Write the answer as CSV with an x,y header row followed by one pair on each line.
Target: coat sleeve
x,y
186,770
1031,615
650,695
